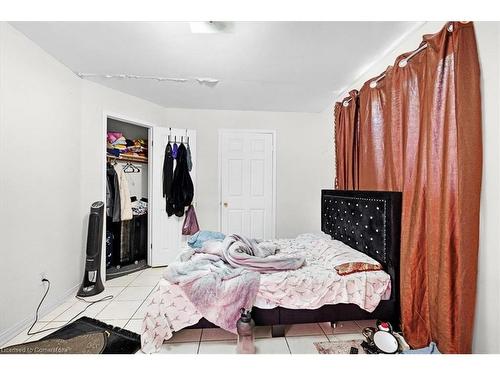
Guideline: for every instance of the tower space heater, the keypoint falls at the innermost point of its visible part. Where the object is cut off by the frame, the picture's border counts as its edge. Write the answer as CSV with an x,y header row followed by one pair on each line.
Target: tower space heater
x,y
92,283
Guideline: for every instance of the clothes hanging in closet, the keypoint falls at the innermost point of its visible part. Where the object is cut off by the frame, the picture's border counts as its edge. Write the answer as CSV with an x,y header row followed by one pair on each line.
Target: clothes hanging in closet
x,y
168,176
125,204
182,190
112,194
125,233
126,240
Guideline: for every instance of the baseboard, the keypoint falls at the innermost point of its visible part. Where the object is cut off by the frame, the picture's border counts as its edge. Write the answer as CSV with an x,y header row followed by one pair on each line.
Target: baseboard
x,y
16,329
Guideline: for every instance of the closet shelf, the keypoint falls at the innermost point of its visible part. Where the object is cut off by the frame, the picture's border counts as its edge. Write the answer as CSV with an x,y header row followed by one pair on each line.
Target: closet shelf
x,y
127,158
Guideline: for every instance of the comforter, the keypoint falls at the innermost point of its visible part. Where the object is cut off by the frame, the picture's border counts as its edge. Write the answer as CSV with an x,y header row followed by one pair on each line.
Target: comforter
x,y
247,253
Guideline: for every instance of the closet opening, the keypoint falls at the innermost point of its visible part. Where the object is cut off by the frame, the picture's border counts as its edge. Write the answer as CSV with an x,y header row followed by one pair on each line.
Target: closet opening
x,y
127,232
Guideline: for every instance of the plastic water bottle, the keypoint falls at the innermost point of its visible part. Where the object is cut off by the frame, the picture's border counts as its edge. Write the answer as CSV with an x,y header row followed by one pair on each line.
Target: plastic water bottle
x,y
245,326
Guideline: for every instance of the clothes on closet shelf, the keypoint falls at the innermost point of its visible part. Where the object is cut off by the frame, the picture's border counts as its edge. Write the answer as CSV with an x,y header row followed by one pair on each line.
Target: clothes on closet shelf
x,y
182,190
168,176
115,138
137,149
118,145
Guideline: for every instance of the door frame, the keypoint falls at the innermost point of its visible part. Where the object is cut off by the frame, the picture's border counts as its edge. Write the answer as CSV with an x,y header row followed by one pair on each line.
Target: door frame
x,y
219,179
145,124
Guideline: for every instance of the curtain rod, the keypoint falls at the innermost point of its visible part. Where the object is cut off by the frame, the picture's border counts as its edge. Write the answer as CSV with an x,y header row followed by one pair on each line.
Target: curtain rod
x,y
401,64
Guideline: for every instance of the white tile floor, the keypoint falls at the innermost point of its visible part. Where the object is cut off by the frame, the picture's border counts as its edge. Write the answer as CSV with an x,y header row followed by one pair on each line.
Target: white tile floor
x,y
126,310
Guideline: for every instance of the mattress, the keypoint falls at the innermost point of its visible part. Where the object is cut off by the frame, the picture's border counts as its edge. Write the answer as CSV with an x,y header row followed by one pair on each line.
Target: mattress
x,y
315,284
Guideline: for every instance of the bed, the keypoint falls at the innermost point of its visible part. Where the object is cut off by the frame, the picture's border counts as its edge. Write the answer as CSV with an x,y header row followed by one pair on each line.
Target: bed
x,y
366,221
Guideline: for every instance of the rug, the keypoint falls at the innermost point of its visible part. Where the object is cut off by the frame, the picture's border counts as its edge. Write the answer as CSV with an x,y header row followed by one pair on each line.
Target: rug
x,y
339,347
91,343
81,337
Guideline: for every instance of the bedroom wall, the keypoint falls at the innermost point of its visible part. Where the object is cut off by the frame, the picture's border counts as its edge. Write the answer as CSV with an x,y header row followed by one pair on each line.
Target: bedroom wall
x,y
304,154
487,320
40,222
51,162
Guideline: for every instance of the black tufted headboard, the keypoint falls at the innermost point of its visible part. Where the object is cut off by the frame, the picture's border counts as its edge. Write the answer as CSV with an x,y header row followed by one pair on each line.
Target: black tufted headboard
x,y
368,221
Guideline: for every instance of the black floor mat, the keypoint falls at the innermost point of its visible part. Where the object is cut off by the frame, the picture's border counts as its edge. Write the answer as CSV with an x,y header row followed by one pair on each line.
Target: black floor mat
x,y
120,341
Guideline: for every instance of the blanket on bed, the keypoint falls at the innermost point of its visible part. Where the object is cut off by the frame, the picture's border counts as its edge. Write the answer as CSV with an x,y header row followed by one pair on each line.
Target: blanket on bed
x,y
217,290
220,279
263,257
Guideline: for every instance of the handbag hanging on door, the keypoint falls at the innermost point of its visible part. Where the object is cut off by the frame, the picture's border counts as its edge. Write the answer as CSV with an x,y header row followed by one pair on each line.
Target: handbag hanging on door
x,y
190,225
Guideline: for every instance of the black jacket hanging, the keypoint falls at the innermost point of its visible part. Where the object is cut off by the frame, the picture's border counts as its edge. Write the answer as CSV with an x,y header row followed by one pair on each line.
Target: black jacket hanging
x,y
182,186
113,208
168,175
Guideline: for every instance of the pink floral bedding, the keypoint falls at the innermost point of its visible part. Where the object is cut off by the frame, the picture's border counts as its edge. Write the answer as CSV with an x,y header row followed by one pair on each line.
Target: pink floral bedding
x,y
310,287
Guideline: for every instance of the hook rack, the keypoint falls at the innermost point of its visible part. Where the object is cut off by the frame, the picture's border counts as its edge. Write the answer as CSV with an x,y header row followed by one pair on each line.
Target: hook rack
x,y
183,139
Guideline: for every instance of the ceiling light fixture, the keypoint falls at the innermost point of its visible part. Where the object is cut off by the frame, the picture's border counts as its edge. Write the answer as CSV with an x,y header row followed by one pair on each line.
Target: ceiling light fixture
x,y
210,27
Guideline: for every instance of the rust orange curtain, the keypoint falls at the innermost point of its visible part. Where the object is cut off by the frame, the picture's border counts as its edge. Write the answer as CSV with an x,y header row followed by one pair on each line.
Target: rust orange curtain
x,y
419,131
347,141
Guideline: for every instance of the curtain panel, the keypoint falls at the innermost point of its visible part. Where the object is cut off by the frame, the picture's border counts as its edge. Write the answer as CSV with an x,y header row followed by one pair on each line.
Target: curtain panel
x,y
347,143
419,131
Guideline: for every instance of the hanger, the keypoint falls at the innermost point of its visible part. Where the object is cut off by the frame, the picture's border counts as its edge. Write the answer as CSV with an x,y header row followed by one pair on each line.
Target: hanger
x,y
131,168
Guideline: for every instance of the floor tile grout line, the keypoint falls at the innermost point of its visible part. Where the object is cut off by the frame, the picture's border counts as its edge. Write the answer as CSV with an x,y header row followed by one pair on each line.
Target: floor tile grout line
x,y
288,345
144,300
324,333
136,310
142,303
41,328
62,312
80,315
153,288
136,276
199,342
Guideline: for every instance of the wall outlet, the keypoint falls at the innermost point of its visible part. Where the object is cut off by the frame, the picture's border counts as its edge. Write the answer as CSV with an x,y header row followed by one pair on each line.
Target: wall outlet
x,y
43,275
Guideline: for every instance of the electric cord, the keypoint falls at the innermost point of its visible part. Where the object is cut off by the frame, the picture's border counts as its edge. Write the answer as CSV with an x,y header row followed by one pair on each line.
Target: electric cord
x,y
90,303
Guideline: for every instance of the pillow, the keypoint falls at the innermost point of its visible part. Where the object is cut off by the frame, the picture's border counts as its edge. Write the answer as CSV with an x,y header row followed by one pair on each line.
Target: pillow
x,y
196,241
353,267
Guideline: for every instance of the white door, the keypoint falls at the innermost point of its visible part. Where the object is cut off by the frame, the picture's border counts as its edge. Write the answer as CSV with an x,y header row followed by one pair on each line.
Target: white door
x,y
166,232
247,177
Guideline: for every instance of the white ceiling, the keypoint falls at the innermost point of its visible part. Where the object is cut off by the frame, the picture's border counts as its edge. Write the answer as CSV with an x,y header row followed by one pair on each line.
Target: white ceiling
x,y
268,66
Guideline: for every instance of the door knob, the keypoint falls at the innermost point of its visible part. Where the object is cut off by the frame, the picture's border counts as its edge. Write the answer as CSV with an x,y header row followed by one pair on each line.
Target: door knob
x,y
225,204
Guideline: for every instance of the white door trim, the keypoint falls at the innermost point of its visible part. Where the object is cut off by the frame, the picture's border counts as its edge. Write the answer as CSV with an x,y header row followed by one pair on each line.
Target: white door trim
x,y
219,180
145,124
